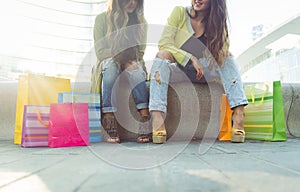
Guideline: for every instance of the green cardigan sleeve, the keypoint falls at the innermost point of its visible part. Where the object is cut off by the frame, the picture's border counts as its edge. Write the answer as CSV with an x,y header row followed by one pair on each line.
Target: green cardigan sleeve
x,y
174,36
143,43
102,47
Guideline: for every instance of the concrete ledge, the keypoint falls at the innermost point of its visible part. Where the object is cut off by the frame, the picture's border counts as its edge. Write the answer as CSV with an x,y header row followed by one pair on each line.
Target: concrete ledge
x,y
182,120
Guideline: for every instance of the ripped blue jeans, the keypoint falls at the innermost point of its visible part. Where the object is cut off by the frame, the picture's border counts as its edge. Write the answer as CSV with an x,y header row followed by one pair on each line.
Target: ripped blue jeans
x,y
137,81
168,72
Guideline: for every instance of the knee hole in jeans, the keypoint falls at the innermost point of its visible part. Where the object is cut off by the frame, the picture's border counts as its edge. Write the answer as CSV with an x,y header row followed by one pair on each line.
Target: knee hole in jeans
x,y
157,77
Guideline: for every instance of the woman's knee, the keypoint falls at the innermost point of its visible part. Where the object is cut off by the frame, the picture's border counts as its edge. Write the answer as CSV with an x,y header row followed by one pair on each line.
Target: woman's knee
x,y
109,74
165,55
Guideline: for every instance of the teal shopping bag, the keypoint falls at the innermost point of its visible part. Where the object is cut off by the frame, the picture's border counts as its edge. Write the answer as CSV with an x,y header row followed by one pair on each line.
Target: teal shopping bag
x,y
264,115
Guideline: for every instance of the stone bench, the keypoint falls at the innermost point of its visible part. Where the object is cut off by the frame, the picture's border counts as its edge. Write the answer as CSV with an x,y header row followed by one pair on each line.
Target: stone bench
x,y
194,116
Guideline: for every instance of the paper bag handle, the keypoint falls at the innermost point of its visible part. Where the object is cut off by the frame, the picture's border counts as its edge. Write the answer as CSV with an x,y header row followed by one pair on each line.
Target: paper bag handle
x,y
40,119
262,97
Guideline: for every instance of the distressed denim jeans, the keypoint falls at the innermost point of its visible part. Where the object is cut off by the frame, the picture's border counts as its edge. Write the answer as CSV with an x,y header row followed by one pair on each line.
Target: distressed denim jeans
x,y
163,72
137,81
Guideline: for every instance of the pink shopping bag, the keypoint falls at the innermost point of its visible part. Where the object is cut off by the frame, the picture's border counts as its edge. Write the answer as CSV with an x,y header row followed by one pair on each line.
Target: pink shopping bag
x,y
93,101
35,126
68,125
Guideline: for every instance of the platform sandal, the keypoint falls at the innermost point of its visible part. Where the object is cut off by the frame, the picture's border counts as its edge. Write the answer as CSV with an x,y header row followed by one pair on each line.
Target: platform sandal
x,y
144,131
110,127
237,135
159,136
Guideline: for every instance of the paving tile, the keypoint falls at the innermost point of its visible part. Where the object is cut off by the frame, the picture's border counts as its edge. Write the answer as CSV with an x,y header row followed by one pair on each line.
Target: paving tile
x,y
175,166
16,170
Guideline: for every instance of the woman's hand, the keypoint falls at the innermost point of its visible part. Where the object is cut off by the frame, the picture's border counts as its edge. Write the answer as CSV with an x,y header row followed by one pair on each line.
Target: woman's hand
x,y
198,67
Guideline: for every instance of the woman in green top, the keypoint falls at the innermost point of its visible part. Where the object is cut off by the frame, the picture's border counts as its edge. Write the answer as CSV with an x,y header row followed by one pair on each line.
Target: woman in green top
x,y
119,39
196,42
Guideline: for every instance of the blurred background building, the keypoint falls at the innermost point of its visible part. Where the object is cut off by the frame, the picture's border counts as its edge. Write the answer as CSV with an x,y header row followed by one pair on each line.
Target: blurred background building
x,y
55,38
274,54
50,37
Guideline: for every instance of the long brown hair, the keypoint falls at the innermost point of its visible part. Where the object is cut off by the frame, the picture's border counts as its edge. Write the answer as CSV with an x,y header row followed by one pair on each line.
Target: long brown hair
x,y
126,30
216,30
117,17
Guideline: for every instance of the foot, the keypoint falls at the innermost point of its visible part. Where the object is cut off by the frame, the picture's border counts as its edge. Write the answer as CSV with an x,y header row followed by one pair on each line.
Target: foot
x,y
110,127
238,117
113,140
159,130
144,132
158,123
238,133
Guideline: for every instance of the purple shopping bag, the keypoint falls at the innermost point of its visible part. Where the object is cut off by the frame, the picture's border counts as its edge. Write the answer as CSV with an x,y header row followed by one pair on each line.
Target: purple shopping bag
x,y
35,126
68,125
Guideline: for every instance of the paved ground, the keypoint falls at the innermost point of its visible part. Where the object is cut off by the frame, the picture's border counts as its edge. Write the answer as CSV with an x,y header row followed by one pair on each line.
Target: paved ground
x,y
176,166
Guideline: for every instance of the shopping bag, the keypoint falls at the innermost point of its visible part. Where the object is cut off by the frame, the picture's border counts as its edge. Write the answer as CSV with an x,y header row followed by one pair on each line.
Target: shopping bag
x,y
94,113
264,115
35,126
225,119
68,125
37,90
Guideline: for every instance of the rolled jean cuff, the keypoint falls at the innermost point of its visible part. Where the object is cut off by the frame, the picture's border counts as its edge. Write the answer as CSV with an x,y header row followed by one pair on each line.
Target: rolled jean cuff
x,y
109,109
241,103
158,108
142,106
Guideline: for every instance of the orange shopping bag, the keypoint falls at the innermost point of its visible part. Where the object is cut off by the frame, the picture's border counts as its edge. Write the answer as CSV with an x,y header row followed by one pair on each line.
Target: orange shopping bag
x,y
225,120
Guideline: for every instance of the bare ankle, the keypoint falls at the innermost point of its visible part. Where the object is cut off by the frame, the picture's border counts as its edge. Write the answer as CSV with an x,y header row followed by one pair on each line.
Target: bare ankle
x,y
238,117
144,112
108,114
156,114
239,110
157,120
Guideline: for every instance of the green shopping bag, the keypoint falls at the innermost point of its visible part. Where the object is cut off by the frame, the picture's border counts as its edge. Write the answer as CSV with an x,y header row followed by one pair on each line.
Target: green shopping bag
x,y
264,115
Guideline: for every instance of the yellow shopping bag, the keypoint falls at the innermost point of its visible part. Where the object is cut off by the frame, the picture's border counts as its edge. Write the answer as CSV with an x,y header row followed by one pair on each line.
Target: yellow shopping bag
x,y
38,90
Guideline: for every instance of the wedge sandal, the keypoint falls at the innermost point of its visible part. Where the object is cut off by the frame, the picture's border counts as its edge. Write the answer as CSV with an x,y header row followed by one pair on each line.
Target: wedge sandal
x,y
159,136
237,135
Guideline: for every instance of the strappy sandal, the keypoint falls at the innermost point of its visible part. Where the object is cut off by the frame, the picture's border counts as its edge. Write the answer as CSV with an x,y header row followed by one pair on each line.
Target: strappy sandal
x,y
110,126
237,135
144,132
